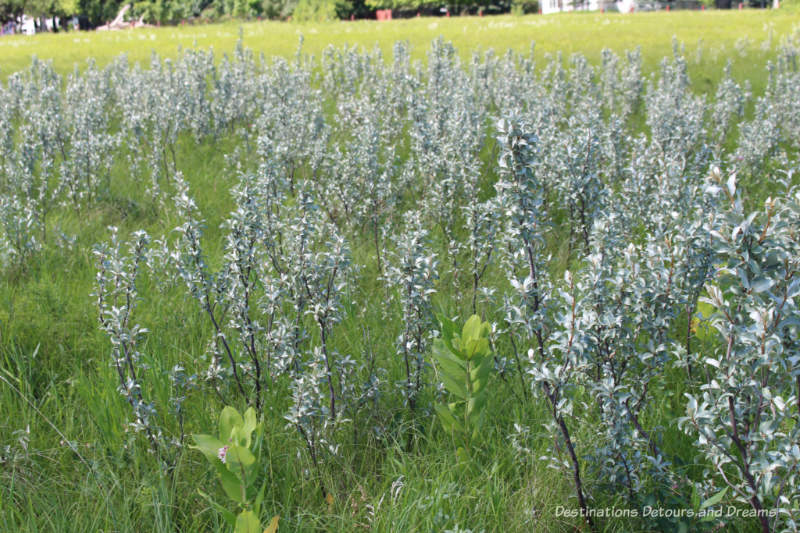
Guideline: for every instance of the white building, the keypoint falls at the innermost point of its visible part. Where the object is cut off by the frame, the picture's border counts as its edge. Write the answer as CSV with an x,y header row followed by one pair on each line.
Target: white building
x,y
626,6
561,6
27,26
558,6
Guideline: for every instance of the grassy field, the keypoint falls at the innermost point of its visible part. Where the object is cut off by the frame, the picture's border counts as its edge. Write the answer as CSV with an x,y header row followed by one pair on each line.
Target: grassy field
x,y
716,35
73,465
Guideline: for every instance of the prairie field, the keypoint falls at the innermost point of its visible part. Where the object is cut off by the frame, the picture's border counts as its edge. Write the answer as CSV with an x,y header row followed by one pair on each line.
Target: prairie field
x,y
419,275
743,37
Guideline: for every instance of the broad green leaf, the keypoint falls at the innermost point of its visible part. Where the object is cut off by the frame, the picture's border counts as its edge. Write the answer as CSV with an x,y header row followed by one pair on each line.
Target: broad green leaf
x,y
208,445
240,458
454,385
472,330
449,329
250,424
448,326
233,435
449,422
480,374
231,484
482,348
475,406
247,522
229,419
450,363
475,348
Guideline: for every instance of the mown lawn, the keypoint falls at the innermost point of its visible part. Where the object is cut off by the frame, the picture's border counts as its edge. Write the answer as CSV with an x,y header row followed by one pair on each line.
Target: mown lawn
x,y
710,38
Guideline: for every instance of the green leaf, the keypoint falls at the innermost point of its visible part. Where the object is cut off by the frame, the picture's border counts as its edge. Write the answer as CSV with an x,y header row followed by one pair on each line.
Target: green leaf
x,y
250,424
475,407
472,348
444,344
228,420
448,326
450,363
208,445
449,422
449,330
241,455
247,522
228,516
237,436
715,499
454,385
472,330
240,458
480,374
231,484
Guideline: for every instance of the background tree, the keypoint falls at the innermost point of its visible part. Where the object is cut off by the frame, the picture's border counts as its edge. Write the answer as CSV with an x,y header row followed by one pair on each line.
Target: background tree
x,y
11,9
99,11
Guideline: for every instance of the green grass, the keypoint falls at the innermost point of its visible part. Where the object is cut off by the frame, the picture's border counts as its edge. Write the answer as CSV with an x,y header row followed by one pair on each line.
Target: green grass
x,y
716,32
54,361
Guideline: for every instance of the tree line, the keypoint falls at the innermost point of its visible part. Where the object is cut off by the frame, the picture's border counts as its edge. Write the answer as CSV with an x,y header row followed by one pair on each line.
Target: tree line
x,y
93,13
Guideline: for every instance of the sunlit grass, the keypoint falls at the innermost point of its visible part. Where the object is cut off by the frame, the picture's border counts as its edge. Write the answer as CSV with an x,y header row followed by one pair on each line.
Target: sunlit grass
x,y
741,36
